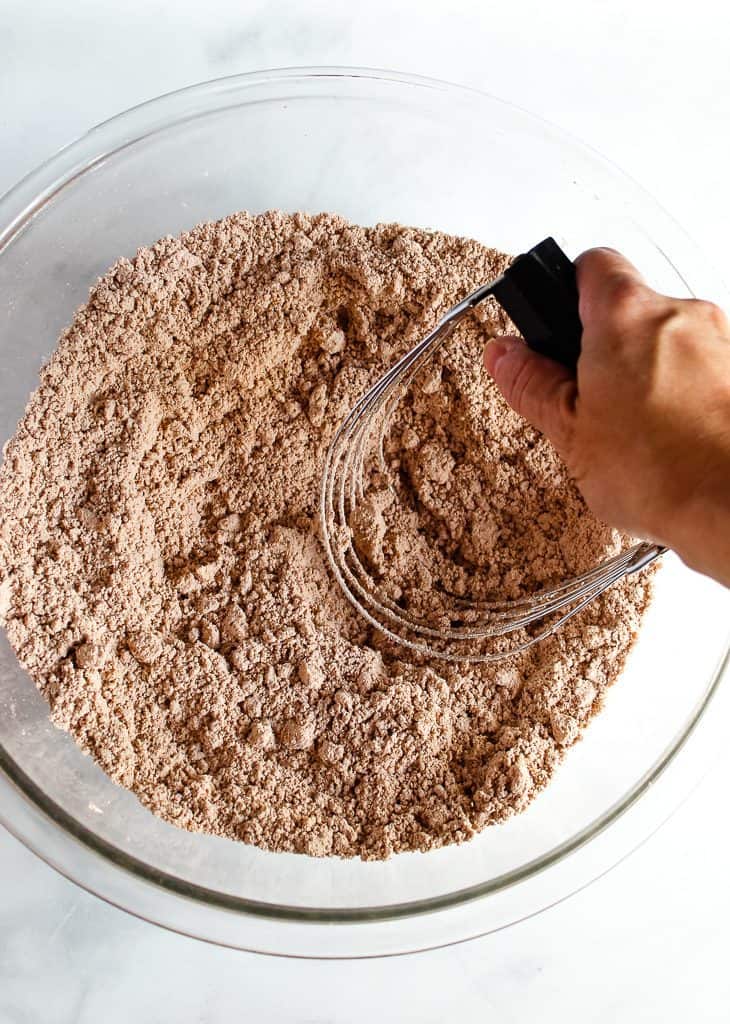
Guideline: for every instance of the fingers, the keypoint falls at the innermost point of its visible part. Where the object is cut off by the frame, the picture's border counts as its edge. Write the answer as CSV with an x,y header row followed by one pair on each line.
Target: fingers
x,y
537,388
610,289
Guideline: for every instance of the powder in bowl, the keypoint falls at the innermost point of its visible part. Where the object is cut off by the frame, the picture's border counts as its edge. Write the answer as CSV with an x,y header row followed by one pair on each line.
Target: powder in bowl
x,y
162,578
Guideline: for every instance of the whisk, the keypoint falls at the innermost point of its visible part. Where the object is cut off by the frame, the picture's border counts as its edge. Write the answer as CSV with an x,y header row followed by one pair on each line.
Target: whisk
x,y
538,292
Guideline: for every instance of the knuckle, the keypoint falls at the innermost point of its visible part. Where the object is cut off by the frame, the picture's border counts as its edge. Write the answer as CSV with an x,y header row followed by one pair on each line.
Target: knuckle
x,y
597,258
710,313
564,429
688,323
520,385
626,295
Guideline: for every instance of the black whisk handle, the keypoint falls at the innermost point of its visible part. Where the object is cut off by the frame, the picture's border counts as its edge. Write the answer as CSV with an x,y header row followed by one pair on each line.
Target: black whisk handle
x,y
539,294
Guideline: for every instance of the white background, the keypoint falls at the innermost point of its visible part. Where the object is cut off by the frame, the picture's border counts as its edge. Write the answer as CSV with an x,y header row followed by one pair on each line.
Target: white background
x,y
647,83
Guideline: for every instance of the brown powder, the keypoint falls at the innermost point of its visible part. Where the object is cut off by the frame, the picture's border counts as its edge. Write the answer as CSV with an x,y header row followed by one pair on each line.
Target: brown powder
x,y
162,578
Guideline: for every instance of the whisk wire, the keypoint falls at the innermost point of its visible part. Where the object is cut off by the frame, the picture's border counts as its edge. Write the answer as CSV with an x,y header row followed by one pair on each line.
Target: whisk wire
x,y
464,624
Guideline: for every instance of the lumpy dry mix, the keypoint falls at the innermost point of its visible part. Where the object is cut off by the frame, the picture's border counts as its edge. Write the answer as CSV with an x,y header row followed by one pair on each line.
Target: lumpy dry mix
x,y
162,577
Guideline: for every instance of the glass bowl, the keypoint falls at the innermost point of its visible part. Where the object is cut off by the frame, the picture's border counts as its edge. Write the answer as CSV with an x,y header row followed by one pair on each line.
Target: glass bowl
x,y
373,146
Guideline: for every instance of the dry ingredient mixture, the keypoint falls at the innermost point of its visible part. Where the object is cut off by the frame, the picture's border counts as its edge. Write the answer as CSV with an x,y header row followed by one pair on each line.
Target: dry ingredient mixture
x,y
162,577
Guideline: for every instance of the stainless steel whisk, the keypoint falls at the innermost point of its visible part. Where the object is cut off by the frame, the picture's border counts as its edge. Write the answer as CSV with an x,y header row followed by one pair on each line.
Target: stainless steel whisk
x,y
538,292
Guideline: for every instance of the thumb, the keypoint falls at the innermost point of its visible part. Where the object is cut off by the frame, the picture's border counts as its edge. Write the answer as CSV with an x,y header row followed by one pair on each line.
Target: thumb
x,y
537,388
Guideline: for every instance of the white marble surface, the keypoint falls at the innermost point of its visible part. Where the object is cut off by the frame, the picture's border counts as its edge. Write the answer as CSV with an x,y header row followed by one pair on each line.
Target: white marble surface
x,y
648,84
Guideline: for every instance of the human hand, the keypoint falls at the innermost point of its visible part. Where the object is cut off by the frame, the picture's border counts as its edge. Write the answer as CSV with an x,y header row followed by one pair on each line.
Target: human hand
x,y
644,426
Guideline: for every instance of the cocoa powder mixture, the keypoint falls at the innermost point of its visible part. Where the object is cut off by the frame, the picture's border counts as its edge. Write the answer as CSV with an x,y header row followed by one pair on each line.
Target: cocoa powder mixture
x,y
162,578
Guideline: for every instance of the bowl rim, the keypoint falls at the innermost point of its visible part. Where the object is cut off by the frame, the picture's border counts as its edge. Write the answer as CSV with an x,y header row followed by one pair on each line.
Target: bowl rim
x,y
28,197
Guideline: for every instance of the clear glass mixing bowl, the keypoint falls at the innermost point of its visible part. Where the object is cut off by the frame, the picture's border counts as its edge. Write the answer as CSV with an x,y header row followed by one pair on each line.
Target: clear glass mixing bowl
x,y
372,146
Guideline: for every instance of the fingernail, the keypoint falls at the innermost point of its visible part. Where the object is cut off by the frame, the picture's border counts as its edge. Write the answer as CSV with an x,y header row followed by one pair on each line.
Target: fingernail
x,y
494,350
